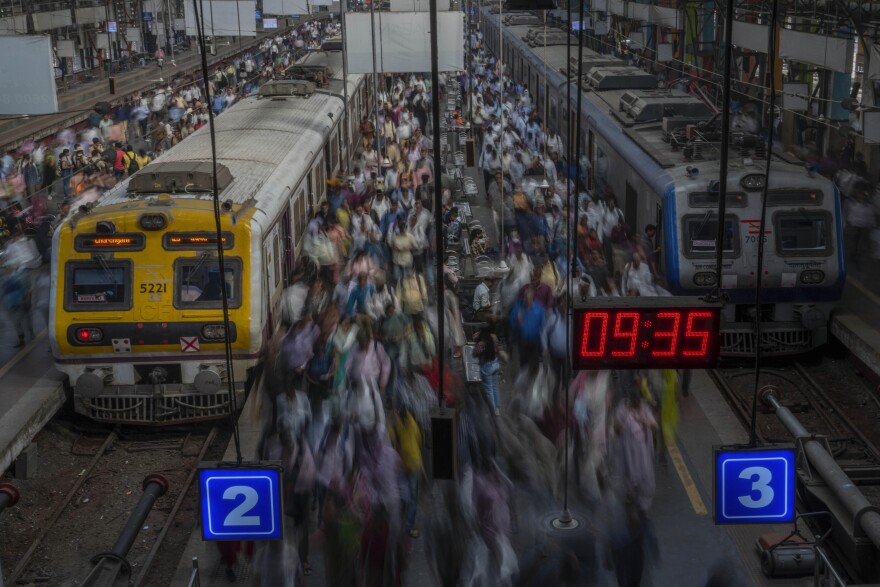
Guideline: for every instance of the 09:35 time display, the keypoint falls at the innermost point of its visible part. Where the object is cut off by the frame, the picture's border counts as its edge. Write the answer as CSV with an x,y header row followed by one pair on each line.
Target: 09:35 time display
x,y
645,338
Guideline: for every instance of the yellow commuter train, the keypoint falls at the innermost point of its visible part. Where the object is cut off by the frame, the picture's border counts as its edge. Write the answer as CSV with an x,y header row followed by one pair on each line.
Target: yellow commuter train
x,y
136,319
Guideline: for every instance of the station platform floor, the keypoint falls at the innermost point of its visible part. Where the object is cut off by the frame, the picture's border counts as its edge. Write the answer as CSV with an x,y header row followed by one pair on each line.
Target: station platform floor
x,y
856,320
690,544
30,393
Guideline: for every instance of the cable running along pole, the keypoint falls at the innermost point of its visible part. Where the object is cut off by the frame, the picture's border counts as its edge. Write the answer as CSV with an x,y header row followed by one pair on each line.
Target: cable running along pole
x,y
771,70
725,145
566,515
230,375
438,193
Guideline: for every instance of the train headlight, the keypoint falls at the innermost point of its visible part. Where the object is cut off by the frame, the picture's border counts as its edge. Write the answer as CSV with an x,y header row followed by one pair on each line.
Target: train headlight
x,y
213,332
153,221
812,277
705,278
89,335
753,182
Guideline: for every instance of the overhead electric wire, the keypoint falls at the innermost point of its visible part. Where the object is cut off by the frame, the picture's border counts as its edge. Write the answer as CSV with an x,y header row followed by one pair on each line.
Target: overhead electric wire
x,y
230,375
759,271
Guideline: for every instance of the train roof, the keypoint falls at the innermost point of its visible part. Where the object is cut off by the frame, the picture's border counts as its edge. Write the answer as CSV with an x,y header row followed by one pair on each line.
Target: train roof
x,y
332,60
256,139
632,116
266,143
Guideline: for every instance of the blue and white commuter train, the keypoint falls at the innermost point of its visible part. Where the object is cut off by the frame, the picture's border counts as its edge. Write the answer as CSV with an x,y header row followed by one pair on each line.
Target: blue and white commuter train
x,y
657,151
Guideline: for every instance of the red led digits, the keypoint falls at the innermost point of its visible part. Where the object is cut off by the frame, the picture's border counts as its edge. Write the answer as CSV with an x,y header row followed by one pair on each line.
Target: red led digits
x,y
654,337
623,333
602,317
672,334
699,348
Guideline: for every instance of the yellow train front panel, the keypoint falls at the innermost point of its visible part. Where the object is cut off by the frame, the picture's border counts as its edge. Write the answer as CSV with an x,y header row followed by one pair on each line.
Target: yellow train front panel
x,y
137,319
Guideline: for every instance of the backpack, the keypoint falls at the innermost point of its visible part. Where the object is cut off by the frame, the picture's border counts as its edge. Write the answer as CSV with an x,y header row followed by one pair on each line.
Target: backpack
x,y
133,166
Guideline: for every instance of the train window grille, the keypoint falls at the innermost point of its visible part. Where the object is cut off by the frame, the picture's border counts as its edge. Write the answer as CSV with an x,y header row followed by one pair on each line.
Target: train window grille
x,y
701,232
802,234
98,285
197,282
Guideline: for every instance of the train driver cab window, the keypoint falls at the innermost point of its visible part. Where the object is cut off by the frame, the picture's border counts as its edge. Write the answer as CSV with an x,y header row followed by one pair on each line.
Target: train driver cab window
x,y
701,232
98,285
799,234
197,282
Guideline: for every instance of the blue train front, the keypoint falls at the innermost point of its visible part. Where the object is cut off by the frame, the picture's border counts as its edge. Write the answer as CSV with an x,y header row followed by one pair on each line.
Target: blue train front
x,y
803,270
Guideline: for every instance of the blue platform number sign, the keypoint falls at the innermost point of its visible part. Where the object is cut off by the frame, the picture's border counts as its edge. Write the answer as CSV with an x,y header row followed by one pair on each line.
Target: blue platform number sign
x,y
241,504
258,14
754,486
148,16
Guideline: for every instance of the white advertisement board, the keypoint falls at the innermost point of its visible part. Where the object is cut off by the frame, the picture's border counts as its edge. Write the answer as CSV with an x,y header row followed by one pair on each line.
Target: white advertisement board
x,y
223,18
65,48
822,50
33,71
285,7
751,36
403,42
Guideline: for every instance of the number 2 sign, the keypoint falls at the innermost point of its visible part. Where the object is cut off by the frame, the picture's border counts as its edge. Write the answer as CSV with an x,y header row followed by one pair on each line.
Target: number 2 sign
x,y
754,486
240,503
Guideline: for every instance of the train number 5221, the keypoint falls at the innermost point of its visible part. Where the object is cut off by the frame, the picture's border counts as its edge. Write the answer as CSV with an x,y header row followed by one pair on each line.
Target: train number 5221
x,y
154,287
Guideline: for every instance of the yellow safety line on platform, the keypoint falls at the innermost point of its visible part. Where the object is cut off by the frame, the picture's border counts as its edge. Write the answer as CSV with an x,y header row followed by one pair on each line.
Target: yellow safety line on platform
x,y
687,481
861,287
22,353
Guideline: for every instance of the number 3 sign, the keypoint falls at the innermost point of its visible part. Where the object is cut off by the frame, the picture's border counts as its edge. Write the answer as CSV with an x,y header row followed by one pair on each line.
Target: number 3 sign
x,y
754,486
240,504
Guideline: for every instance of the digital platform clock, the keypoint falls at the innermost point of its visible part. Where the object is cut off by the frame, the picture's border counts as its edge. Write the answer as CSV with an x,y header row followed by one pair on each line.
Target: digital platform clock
x,y
645,333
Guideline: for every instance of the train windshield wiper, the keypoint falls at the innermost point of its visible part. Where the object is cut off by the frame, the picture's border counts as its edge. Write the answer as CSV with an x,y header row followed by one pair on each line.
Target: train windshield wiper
x,y
102,262
704,221
201,261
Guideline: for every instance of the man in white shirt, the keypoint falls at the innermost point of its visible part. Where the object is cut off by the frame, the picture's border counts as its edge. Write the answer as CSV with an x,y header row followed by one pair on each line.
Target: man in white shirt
x,y
482,303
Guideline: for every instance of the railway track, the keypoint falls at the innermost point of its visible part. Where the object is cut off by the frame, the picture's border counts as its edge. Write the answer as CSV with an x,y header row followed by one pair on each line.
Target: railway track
x,y
825,400
96,506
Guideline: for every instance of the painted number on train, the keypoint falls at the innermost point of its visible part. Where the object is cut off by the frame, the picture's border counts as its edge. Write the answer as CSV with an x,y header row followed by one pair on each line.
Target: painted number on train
x,y
150,288
754,486
240,504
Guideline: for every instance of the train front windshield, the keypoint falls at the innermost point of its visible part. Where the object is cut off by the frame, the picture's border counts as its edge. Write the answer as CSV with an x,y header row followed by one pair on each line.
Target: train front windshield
x,y
198,284
801,234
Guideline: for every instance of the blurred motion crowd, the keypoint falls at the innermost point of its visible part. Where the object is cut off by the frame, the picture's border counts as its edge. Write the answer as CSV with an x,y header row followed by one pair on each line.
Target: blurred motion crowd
x,y
355,374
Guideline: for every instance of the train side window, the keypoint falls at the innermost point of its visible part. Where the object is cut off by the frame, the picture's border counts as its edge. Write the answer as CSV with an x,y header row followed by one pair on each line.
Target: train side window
x,y
701,232
197,282
96,286
802,234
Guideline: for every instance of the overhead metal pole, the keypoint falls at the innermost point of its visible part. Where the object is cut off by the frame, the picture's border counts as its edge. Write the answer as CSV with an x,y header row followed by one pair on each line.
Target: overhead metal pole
x,y
238,16
546,94
725,144
501,242
344,150
375,84
438,192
